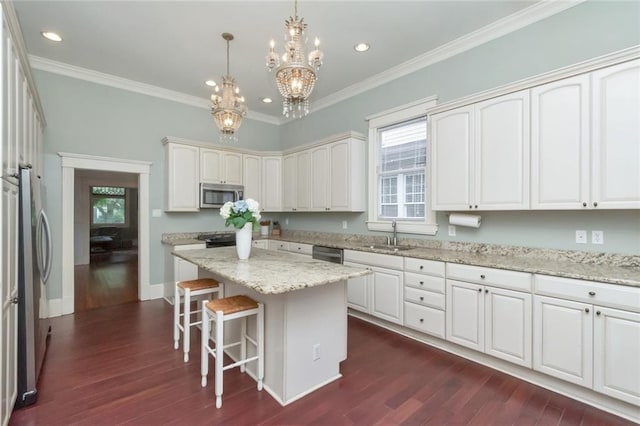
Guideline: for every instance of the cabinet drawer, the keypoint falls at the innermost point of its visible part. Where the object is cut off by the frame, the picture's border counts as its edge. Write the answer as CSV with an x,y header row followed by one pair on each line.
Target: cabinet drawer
x,y
513,280
616,296
421,266
374,259
424,282
278,245
425,319
426,298
300,248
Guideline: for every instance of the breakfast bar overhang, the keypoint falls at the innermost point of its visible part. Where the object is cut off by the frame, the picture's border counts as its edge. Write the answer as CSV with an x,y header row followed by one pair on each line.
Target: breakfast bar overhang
x,y
305,313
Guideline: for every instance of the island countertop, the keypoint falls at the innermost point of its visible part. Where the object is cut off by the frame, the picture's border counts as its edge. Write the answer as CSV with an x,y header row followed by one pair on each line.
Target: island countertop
x,y
270,272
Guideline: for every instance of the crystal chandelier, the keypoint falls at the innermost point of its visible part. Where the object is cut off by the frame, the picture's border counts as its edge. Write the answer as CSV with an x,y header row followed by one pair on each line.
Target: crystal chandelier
x,y
228,108
296,74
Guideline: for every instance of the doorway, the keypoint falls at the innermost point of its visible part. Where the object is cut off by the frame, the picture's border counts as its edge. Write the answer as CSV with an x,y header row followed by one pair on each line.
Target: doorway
x,y
106,238
72,163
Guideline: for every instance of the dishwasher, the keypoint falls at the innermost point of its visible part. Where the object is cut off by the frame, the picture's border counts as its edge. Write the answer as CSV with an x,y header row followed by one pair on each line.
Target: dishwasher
x,y
329,254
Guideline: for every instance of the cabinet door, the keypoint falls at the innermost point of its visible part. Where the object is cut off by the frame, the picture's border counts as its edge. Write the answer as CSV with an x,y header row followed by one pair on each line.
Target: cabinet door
x,y
210,166
263,244
289,171
563,339
501,152
615,136
339,176
183,178
303,180
616,354
8,291
183,270
252,177
451,153
358,291
271,200
386,294
508,325
232,168
319,178
560,171
465,314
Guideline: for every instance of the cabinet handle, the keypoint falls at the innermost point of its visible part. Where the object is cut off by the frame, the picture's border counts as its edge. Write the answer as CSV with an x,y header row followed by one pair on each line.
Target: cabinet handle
x,y
482,276
595,204
586,310
421,298
584,204
421,319
14,300
598,313
592,293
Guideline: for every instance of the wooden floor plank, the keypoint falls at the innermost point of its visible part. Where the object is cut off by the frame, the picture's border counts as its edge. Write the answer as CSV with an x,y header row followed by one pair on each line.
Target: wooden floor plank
x,y
117,365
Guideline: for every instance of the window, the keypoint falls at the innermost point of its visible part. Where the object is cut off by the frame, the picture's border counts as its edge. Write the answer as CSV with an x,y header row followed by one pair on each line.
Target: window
x,y
108,205
398,170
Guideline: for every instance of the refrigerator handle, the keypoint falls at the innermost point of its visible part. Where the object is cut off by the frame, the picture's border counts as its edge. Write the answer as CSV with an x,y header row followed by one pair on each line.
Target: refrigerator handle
x,y
46,269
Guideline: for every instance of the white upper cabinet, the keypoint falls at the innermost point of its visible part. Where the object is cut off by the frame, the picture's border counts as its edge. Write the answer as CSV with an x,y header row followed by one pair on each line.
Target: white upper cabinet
x,y
560,144
481,155
615,137
303,181
319,174
182,173
252,177
220,166
271,195
289,184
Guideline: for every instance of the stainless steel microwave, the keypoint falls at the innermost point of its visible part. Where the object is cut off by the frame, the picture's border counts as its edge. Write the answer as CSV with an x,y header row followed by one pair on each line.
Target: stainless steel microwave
x,y
213,195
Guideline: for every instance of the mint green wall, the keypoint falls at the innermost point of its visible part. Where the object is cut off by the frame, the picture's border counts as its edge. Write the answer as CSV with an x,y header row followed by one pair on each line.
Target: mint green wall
x,y
580,33
87,118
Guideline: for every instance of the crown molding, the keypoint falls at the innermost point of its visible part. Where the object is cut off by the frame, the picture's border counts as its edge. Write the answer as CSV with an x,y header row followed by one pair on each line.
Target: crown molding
x,y
110,80
499,28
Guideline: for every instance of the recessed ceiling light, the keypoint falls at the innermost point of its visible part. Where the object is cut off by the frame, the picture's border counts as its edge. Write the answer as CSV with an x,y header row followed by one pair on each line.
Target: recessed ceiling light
x,y
361,47
266,100
210,83
49,35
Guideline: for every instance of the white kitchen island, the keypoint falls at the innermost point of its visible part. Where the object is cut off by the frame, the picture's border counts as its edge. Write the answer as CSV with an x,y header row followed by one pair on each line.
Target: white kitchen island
x,y
305,313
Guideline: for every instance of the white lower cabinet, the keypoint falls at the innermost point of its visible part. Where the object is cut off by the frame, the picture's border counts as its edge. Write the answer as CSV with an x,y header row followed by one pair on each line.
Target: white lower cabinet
x,y
263,244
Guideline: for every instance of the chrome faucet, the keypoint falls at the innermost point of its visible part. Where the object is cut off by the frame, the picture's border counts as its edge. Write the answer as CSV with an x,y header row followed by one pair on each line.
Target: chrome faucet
x,y
395,233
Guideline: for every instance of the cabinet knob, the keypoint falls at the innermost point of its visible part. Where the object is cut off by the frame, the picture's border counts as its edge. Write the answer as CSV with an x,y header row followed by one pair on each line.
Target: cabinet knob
x,y
14,300
475,207
421,282
598,313
592,293
486,290
421,319
595,204
470,207
479,290
584,204
586,310
483,276
421,298
421,267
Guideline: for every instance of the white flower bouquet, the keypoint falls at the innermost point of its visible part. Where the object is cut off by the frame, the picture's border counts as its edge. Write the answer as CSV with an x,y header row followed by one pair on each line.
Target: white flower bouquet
x,y
240,213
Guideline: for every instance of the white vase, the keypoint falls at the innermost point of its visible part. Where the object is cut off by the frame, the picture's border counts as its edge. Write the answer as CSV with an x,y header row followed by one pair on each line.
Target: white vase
x,y
243,241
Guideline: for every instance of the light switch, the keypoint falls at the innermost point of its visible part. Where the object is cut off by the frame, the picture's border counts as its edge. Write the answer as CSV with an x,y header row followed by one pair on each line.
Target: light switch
x,y
581,237
452,230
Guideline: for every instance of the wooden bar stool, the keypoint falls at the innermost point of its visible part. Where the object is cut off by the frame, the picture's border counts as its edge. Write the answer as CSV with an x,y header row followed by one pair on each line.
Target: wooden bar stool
x,y
226,309
186,290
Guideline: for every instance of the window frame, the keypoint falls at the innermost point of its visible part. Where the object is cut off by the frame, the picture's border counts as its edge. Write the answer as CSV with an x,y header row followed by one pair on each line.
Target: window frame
x,y
125,197
407,112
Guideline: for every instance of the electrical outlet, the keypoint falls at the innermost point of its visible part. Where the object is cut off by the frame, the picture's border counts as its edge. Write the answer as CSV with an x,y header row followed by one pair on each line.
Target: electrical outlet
x,y
286,220
581,237
316,352
156,213
597,237
452,230
344,224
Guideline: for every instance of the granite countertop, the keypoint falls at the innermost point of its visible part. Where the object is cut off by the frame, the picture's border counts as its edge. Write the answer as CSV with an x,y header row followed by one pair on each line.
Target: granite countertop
x,y
601,267
269,271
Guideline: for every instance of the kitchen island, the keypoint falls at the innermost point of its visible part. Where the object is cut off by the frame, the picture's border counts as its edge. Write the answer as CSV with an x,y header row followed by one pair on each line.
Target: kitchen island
x,y
305,313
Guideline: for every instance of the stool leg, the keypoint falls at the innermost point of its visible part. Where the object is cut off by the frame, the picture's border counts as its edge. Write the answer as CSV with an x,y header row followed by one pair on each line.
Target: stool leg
x,y
204,356
176,317
243,343
186,342
260,339
219,356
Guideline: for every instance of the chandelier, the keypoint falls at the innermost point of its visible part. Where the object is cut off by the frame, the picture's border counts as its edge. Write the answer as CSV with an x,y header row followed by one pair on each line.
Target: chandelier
x,y
296,74
228,108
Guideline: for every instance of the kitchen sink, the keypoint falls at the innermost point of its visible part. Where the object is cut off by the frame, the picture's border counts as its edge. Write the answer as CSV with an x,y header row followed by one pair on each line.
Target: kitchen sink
x,y
386,247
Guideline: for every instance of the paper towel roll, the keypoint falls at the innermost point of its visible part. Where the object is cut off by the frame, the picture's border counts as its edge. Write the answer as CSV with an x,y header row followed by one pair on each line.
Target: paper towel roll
x,y
462,219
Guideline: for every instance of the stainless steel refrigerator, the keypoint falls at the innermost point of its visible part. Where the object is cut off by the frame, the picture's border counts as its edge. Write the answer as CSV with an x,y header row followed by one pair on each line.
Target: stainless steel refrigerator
x,y
34,266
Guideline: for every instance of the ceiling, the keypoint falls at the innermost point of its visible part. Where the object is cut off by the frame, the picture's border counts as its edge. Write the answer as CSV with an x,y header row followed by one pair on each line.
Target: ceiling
x,y
177,45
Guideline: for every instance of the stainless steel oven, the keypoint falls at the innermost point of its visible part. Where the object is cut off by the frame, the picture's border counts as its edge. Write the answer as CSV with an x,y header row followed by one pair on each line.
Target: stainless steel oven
x,y
215,195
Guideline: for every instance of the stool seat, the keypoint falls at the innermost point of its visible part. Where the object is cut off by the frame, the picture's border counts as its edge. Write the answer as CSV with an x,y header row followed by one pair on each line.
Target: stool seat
x,y
219,311
199,284
231,305
186,292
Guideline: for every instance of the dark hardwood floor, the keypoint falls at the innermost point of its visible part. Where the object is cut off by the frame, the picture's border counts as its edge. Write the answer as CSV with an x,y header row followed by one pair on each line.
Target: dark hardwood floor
x,y
110,279
116,365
